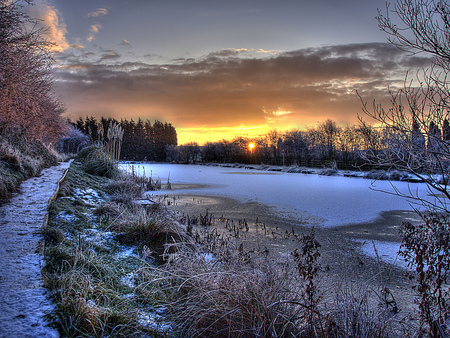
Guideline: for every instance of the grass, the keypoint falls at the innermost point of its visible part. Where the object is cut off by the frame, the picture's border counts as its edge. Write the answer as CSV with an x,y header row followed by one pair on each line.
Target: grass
x,y
121,269
86,266
96,161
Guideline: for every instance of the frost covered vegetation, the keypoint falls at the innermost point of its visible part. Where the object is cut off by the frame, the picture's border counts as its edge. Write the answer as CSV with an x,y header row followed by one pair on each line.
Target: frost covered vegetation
x,y
19,160
30,115
119,265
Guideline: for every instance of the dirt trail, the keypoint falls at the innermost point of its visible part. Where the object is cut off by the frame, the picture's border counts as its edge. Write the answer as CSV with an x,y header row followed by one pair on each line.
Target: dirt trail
x,y
23,299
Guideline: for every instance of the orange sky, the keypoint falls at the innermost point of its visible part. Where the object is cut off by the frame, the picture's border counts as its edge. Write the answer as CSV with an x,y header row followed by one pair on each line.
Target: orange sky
x,y
218,70
226,94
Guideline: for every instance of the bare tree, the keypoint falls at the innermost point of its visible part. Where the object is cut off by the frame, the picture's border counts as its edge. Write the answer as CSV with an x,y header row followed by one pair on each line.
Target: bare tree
x,y
416,139
421,103
27,104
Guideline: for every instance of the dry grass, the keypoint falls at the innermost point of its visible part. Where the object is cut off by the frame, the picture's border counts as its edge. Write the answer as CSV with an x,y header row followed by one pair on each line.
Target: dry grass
x,y
230,298
124,190
19,160
97,162
86,269
89,296
210,285
156,235
228,291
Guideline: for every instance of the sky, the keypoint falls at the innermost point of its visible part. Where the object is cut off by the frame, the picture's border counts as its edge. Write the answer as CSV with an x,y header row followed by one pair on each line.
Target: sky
x,y
220,69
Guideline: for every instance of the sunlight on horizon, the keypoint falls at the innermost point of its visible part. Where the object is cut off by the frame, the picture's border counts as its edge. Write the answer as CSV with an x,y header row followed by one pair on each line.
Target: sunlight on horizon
x,y
202,135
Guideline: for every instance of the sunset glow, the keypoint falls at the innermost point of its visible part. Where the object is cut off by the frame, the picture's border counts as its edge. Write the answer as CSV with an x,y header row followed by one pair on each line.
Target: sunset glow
x,y
222,70
203,135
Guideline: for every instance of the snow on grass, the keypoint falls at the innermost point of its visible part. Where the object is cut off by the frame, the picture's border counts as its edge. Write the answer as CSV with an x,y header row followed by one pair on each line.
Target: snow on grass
x,y
63,216
88,196
153,319
128,280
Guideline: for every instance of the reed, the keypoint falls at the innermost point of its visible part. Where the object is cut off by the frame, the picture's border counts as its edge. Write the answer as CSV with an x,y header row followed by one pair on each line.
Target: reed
x,y
113,144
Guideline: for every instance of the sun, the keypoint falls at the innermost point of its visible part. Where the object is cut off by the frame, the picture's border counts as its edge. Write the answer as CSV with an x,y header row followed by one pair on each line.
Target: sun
x,y
251,146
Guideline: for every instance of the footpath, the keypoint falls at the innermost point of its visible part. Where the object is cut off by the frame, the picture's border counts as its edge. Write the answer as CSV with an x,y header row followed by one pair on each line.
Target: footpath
x,y
23,299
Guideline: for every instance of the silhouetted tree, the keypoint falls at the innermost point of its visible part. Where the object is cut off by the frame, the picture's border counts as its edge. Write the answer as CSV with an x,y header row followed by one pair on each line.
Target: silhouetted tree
x,y
141,141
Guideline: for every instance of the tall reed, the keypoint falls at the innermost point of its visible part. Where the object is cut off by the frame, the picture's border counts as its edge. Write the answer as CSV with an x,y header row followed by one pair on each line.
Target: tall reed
x,y
112,141
113,144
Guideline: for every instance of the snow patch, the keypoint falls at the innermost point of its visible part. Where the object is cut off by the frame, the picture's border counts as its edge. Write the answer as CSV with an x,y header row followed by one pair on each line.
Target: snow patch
x,y
386,251
88,196
65,217
128,280
126,252
154,319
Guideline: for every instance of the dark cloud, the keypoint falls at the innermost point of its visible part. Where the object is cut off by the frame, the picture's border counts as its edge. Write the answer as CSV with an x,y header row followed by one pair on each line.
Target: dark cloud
x,y
223,89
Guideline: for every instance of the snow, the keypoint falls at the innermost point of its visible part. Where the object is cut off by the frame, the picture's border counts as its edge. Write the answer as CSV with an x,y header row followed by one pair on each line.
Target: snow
x,y
126,252
128,280
326,200
25,302
88,196
154,319
385,251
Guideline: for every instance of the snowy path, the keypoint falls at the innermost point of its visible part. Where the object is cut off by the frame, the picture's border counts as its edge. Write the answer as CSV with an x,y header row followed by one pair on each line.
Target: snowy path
x,y
23,299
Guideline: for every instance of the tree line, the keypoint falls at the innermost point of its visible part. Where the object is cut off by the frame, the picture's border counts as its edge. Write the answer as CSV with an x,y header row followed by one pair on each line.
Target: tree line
x,y
326,144
142,140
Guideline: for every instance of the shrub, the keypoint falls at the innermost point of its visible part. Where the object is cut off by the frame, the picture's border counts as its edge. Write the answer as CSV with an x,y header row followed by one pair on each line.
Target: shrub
x,y
73,142
20,159
426,248
97,162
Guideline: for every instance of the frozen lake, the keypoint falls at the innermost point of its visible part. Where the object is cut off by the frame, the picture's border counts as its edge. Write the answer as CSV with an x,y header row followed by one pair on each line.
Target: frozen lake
x,y
337,200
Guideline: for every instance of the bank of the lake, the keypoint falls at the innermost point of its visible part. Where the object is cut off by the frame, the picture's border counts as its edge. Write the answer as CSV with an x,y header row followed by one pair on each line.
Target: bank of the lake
x,y
193,263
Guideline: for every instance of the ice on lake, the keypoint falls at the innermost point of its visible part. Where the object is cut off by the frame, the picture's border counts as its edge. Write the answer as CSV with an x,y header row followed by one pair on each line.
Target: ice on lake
x,y
337,200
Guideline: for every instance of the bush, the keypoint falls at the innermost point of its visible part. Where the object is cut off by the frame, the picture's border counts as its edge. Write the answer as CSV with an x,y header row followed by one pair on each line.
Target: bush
x,y
426,249
97,162
73,142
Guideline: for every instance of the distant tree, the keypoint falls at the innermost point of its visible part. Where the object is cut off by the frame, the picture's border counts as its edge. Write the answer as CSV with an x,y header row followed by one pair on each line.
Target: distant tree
x,y
328,132
189,152
434,138
210,152
141,140
446,130
295,146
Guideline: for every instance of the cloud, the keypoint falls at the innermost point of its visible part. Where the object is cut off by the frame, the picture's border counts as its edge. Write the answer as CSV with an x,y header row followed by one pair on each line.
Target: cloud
x,y
53,22
111,55
223,89
94,29
125,44
269,52
97,13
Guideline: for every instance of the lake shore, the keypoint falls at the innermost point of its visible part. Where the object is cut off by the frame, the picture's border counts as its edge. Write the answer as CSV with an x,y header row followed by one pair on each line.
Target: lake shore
x,y
344,255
